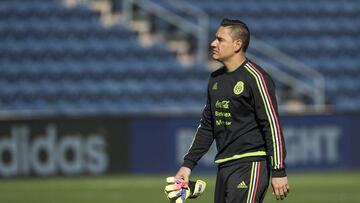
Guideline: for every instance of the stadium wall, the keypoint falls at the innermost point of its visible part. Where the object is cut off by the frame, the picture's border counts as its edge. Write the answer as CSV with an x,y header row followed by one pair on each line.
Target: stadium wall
x,y
109,145
313,143
63,146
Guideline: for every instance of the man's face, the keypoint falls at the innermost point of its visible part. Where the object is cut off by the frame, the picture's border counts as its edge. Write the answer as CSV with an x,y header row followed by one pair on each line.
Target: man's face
x,y
223,47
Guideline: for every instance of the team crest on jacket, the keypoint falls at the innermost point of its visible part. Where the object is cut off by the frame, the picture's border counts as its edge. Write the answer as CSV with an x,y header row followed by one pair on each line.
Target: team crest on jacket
x,y
239,87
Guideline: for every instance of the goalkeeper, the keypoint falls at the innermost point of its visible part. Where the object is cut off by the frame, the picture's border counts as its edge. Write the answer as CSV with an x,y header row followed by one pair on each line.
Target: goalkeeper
x,y
241,116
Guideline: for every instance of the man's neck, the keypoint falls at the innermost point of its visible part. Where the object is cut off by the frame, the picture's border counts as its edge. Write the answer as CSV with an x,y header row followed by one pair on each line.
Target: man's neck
x,y
232,64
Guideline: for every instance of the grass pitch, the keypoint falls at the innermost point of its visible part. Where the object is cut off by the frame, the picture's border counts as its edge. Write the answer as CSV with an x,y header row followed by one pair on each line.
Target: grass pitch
x,y
339,187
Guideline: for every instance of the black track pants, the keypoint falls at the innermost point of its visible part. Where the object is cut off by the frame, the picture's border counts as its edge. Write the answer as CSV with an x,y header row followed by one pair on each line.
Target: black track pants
x,y
242,183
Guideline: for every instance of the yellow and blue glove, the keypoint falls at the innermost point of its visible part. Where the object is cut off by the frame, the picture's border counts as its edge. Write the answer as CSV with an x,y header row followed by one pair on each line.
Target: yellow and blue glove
x,y
177,190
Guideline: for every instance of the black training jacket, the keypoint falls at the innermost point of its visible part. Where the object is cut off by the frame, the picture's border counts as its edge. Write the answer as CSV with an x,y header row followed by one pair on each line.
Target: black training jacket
x,y
241,116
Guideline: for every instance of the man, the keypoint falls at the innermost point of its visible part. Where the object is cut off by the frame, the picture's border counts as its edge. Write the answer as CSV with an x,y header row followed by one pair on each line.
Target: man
x,y
241,116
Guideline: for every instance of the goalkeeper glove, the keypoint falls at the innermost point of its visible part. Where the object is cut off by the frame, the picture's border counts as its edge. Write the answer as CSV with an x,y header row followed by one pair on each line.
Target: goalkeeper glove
x,y
178,191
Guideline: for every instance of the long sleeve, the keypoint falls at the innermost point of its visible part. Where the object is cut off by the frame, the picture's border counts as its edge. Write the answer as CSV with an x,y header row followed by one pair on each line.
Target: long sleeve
x,y
263,90
202,140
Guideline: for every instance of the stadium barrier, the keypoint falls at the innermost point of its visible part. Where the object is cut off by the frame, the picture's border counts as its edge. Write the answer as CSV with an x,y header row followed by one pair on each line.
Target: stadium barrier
x,y
63,146
312,142
109,145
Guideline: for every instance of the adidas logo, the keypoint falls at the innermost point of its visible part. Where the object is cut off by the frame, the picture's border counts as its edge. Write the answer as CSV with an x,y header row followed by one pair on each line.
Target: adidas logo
x,y
242,185
215,86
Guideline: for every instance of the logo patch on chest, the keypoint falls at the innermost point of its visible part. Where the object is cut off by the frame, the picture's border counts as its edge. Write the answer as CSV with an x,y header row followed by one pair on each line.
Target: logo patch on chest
x,y
239,87
215,86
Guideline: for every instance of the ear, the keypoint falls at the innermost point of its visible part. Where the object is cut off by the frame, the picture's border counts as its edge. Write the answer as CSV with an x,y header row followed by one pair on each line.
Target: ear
x,y
237,45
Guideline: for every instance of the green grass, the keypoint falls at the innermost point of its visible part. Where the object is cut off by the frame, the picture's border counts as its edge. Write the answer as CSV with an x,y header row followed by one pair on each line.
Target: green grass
x,y
340,187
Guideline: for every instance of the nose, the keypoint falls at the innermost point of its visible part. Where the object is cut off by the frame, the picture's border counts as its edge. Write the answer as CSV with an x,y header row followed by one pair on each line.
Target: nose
x,y
213,44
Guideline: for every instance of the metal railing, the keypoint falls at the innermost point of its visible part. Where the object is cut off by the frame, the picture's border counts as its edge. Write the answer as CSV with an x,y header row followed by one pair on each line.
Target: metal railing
x,y
315,89
198,30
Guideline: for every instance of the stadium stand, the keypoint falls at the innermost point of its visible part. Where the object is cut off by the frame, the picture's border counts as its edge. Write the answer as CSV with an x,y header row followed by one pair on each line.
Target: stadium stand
x,y
322,34
56,59
63,60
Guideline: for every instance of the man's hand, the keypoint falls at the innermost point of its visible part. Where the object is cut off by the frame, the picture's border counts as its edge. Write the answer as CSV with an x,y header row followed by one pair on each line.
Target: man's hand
x,y
184,173
280,187
177,191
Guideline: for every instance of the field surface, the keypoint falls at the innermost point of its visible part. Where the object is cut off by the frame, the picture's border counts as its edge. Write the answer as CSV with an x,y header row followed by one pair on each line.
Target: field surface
x,y
340,187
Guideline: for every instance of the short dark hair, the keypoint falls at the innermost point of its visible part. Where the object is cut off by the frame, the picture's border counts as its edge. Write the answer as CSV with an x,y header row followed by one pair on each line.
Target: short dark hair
x,y
239,30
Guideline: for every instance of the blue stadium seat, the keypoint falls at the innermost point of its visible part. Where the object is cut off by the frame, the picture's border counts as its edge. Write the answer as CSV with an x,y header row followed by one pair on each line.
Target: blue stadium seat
x,y
63,59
